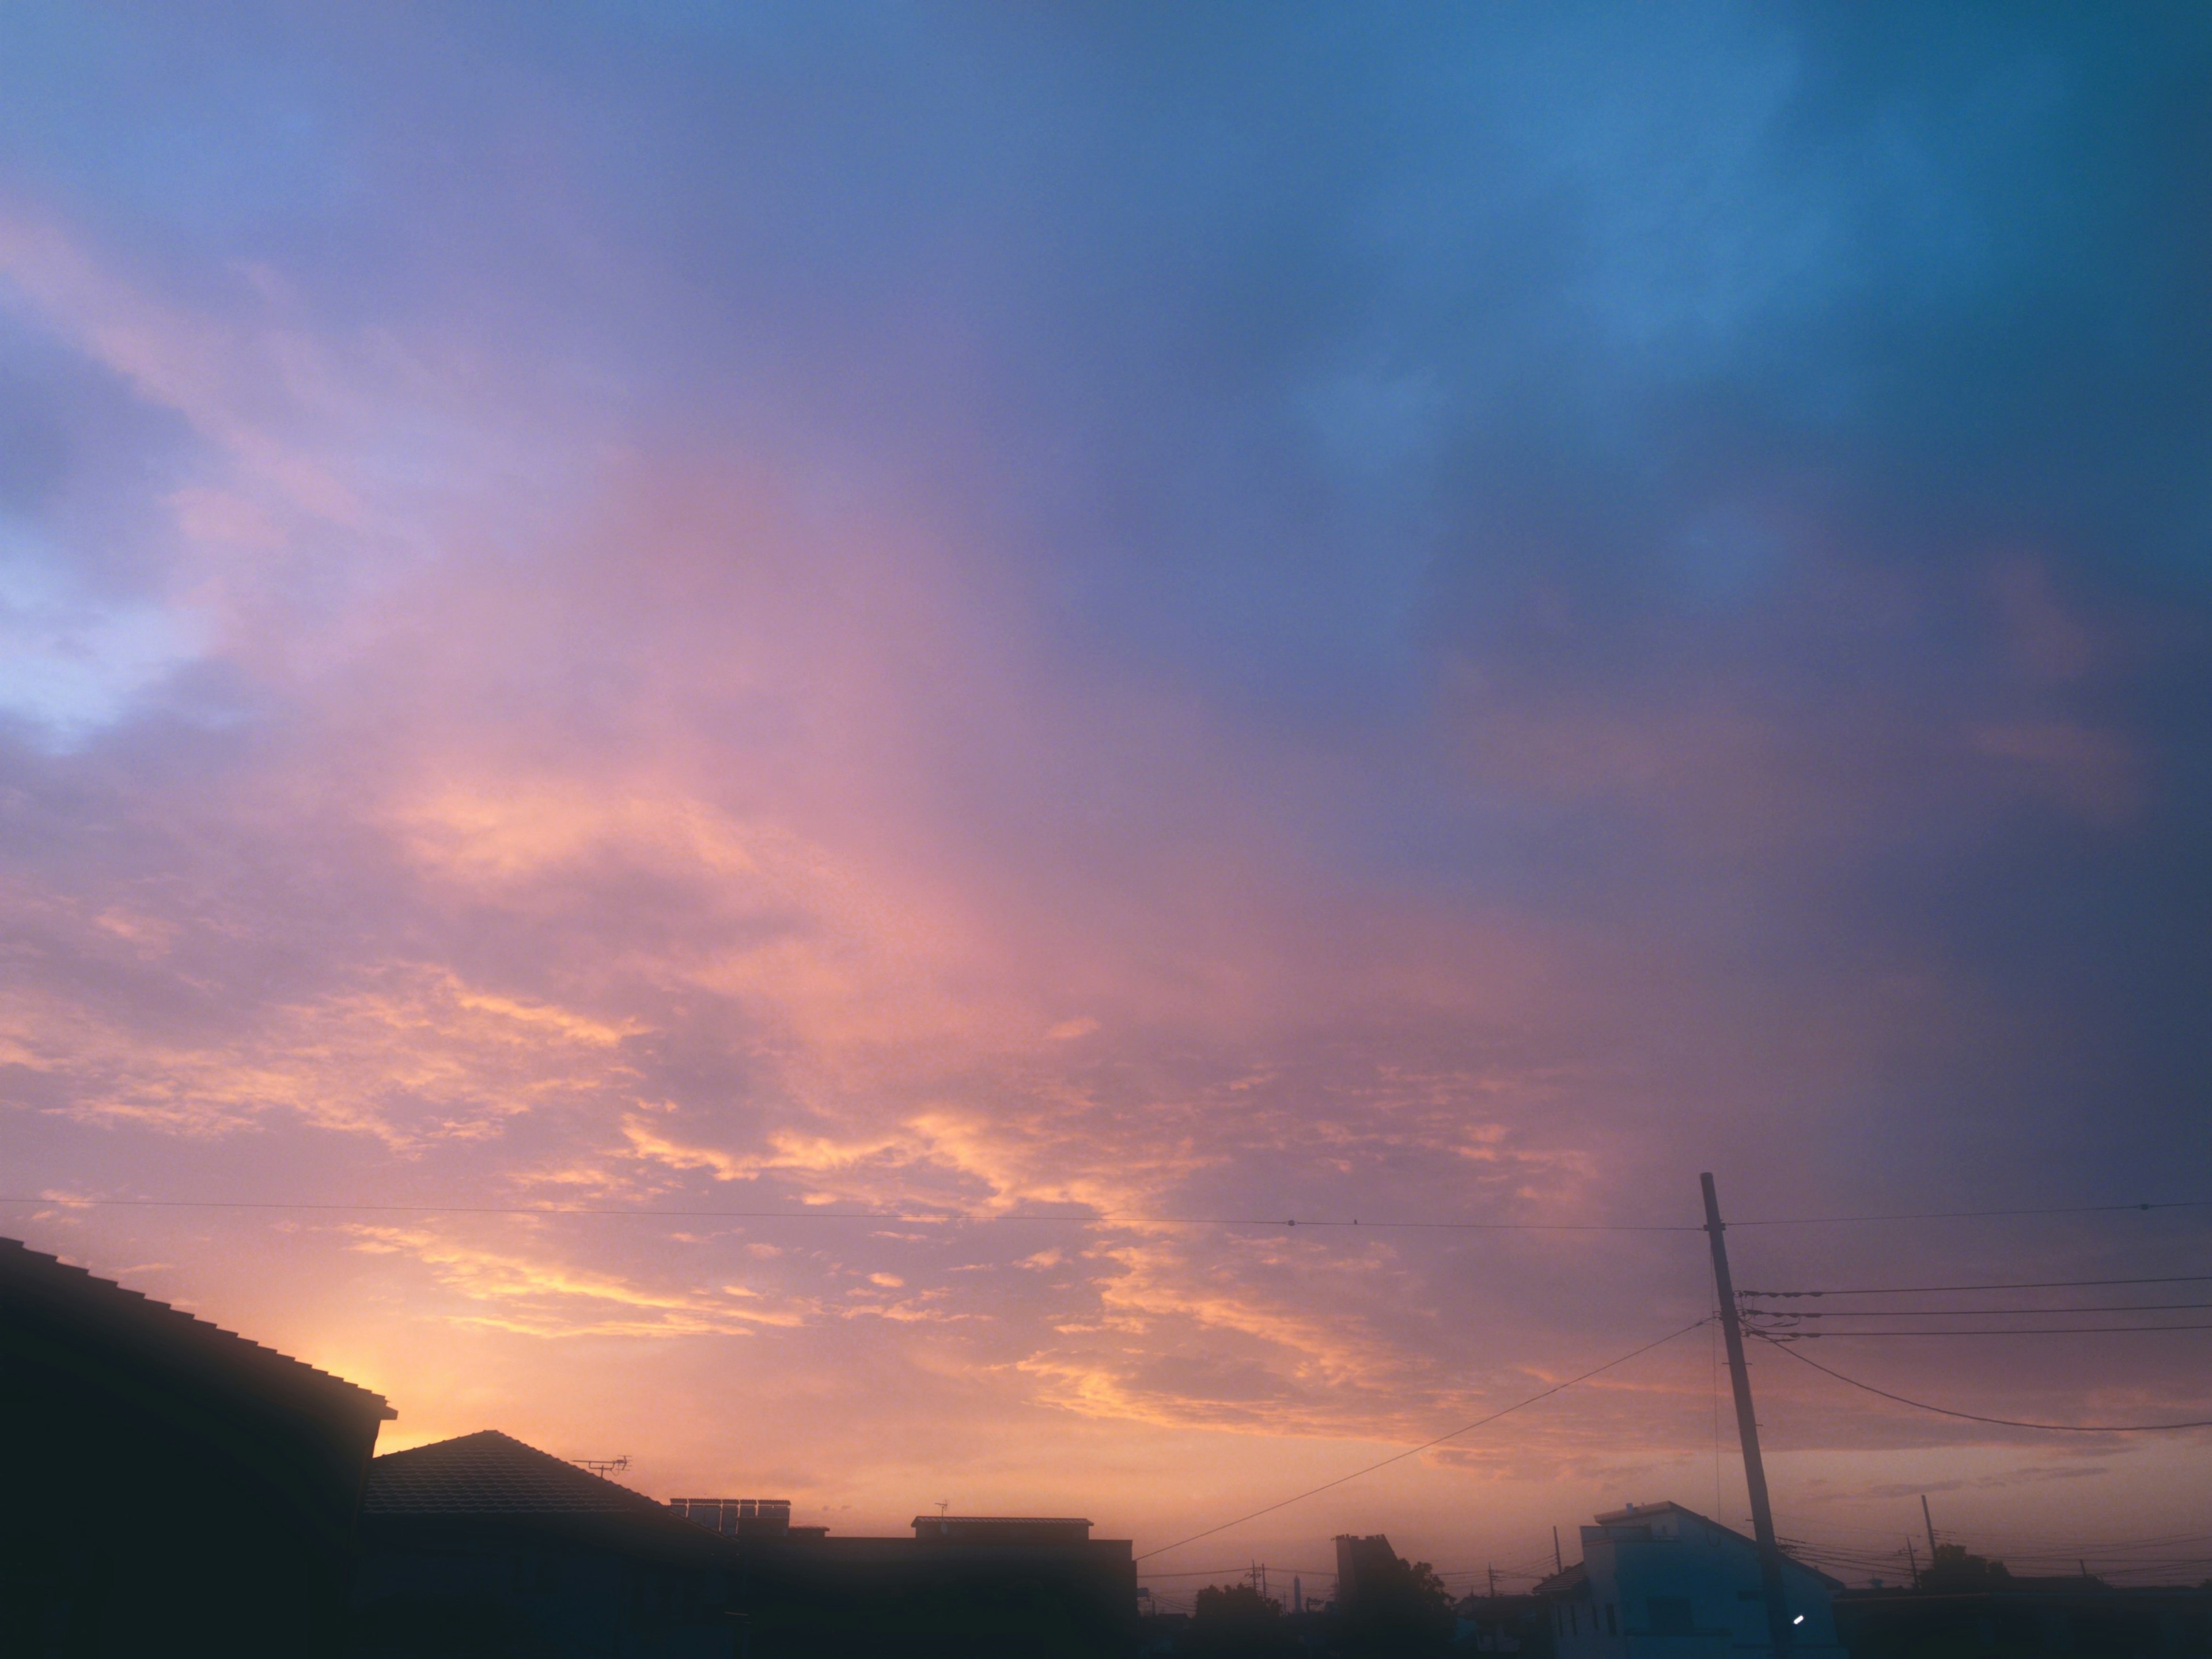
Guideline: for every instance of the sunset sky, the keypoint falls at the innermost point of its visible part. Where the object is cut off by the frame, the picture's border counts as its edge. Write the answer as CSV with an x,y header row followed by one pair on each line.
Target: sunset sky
x,y
1138,613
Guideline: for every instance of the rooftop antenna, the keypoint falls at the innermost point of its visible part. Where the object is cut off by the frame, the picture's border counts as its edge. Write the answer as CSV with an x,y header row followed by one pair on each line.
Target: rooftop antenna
x,y
601,1467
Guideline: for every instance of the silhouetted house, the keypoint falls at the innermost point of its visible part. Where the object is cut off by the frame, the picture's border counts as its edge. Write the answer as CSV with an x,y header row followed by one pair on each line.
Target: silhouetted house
x,y
484,1545
1503,1624
976,1587
1567,1596
744,1517
171,1488
1660,1582
1000,1529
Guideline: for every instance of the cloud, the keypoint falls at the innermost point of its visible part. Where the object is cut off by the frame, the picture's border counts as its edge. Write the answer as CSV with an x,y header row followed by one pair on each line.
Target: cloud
x,y
408,1056
1158,623
537,1295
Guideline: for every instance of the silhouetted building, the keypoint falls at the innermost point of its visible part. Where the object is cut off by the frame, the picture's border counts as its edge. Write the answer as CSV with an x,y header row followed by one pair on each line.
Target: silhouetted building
x,y
484,1545
124,1408
999,1529
973,1587
2082,1617
1385,1605
1503,1624
1661,1582
1362,1565
744,1517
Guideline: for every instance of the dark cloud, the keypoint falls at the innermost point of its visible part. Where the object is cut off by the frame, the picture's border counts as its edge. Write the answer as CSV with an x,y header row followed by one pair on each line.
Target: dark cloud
x,y
1403,614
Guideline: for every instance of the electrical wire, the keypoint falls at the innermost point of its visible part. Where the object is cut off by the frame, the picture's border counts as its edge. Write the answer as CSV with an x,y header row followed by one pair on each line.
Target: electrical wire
x,y
2155,1542
940,1217
1412,1451
1971,1215
2021,1285
2046,1330
1973,1417
1094,1218
1967,1313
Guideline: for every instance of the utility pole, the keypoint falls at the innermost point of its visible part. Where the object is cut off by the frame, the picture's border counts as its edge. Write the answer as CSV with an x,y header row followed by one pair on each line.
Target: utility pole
x,y
1928,1521
1558,1563
1494,1580
1913,1560
1747,1426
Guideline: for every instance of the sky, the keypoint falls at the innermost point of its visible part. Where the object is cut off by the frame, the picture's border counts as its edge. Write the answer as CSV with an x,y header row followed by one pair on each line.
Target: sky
x,y
818,615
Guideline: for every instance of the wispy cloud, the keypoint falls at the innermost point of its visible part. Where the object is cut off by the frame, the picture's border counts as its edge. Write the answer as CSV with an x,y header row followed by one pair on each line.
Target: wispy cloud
x,y
1448,619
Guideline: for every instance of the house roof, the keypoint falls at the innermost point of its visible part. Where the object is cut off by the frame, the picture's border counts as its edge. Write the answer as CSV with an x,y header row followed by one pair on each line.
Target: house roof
x,y
1637,1513
490,1479
37,1286
1563,1582
1631,1514
493,1473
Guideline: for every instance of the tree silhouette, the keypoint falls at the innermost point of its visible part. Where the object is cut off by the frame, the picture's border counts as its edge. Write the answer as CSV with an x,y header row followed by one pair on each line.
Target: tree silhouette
x,y
1953,1571
1403,1608
1234,1621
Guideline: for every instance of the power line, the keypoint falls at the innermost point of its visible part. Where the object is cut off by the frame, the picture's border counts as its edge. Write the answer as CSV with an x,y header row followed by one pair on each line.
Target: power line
x,y
2021,1284
1967,1313
907,1215
2117,1559
1400,1457
1091,1219
1973,1416
1972,1215
2155,1542
2046,1330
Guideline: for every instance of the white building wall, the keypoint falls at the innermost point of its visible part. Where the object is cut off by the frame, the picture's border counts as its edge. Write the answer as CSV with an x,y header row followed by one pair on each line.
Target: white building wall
x,y
1667,1583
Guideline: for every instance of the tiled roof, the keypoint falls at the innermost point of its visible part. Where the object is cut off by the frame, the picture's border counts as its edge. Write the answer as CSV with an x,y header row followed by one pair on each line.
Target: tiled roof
x,y
36,1282
493,1473
1565,1580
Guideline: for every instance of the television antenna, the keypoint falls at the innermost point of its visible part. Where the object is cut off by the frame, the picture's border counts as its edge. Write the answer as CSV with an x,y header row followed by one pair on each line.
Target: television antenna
x,y
601,1467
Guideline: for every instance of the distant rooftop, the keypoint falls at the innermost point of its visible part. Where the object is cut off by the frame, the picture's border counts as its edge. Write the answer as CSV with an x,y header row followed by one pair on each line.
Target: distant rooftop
x,y
33,1282
492,1473
1002,1529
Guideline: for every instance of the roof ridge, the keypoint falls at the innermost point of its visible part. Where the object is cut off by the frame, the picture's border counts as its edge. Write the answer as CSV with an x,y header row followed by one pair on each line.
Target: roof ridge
x,y
167,1318
455,1474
